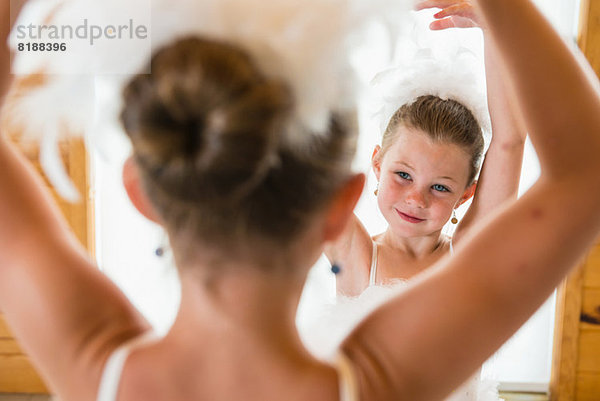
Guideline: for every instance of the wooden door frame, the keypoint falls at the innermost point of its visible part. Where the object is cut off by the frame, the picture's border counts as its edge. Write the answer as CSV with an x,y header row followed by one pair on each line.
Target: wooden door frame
x,y
570,319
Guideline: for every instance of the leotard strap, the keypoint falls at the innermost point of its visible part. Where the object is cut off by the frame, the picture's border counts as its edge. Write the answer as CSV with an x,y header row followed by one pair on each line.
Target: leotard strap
x,y
111,377
347,379
373,273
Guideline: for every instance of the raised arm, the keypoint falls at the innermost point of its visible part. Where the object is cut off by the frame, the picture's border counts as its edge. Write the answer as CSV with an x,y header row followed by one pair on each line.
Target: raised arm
x,y
501,169
53,297
428,339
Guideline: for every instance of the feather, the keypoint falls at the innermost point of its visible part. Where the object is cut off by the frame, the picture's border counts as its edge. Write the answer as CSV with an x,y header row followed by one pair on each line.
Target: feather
x,y
54,169
307,43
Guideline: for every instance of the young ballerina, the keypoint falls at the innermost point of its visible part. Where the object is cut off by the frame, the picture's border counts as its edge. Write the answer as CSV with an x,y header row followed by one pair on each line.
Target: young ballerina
x,y
426,167
242,270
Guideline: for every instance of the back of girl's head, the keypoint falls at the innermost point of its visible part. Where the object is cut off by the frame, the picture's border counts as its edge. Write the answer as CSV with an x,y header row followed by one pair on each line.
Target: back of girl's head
x,y
207,129
443,120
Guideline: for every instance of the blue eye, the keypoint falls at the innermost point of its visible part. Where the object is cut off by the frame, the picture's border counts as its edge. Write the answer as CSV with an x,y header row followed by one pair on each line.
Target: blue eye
x,y
440,188
403,175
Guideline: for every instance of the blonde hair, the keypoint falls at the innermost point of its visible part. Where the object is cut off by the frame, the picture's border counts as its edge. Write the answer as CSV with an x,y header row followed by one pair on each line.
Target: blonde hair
x,y
443,120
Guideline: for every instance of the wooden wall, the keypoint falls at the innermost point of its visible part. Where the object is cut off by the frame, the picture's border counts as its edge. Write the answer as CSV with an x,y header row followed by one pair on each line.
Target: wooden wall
x,y
576,360
588,367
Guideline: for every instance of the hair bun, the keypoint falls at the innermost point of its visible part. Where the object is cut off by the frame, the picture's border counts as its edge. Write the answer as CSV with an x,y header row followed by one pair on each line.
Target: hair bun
x,y
205,121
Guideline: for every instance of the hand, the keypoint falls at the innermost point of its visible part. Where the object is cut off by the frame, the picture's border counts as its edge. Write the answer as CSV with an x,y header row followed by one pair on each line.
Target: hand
x,y
454,14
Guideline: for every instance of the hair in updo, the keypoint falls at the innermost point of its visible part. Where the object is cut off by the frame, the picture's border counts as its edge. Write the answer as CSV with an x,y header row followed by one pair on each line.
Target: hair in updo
x,y
443,120
207,127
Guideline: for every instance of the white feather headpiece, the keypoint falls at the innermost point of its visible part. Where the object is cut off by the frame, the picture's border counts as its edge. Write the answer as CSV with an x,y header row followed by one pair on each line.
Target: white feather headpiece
x,y
426,75
308,43
447,64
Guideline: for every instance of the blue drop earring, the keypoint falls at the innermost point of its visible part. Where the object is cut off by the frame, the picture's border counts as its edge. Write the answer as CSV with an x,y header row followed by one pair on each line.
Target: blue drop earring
x,y
163,246
335,268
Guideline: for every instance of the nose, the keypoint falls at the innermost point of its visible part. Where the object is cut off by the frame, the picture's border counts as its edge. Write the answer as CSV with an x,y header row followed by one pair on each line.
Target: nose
x,y
416,198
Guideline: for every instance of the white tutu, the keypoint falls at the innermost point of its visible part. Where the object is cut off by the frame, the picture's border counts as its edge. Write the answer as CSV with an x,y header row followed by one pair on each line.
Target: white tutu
x,y
323,333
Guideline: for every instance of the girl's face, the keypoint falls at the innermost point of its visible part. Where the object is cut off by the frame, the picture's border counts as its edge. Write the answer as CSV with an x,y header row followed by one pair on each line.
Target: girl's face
x,y
420,182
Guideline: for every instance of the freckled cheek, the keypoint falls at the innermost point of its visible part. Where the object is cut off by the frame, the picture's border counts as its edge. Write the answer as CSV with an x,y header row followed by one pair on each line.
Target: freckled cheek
x,y
390,192
440,210
385,199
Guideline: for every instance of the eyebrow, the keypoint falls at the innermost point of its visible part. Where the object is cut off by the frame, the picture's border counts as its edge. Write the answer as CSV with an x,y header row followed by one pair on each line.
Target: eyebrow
x,y
447,178
405,164
412,168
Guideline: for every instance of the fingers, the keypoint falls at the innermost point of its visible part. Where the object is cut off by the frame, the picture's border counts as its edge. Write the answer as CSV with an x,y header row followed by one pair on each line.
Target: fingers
x,y
424,4
452,22
441,24
463,9
453,14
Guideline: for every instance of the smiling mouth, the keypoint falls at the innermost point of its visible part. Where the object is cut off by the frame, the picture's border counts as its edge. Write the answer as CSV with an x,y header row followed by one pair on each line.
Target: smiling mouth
x,y
409,218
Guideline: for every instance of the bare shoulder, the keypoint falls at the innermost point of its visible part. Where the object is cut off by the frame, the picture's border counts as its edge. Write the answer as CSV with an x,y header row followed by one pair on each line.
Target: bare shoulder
x,y
83,325
353,245
352,253
354,239
154,373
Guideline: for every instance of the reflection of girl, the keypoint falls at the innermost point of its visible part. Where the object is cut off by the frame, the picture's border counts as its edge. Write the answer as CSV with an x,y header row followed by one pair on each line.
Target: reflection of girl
x,y
426,167
204,126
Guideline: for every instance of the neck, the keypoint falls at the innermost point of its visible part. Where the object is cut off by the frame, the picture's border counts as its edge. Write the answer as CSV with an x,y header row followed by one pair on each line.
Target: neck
x,y
238,330
242,304
416,247
246,300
